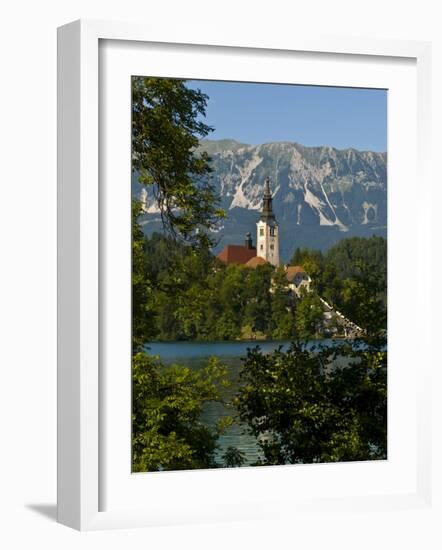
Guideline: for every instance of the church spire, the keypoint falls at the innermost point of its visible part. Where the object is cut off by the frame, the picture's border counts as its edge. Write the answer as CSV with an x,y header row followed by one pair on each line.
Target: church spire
x,y
267,230
267,209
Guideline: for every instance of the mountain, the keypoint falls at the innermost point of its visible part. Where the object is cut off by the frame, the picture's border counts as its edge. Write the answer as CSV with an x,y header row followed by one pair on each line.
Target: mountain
x,y
320,194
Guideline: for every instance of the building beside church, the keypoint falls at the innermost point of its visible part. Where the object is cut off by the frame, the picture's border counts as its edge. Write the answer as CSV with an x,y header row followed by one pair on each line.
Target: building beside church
x,y
297,279
238,254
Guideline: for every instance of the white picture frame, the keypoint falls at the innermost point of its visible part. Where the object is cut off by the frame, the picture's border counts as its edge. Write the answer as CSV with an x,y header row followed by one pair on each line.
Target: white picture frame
x,y
80,368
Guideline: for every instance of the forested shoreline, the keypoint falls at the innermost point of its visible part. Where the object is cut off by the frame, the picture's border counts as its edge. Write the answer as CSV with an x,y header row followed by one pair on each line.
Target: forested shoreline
x,y
198,298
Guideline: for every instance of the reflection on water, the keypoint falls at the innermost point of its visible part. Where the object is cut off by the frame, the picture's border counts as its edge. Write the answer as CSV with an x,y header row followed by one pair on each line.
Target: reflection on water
x,y
195,355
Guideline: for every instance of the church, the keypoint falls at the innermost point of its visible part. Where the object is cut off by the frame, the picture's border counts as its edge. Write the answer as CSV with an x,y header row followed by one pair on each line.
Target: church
x,y
267,239
267,248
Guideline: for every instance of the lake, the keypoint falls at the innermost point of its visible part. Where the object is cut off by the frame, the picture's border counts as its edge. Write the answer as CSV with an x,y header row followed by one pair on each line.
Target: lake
x,y
194,355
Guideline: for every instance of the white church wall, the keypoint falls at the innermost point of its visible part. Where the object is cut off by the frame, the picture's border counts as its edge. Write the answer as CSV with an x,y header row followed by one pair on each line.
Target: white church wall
x,y
267,242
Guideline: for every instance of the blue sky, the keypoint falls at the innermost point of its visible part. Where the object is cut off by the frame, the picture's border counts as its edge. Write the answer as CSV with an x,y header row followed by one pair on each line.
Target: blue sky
x,y
312,115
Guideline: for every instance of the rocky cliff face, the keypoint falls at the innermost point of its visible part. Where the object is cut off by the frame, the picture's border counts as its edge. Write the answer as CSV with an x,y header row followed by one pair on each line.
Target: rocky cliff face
x,y
320,194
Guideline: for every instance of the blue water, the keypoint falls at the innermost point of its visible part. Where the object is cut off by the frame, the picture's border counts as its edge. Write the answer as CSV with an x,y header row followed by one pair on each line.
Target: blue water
x,y
178,351
195,355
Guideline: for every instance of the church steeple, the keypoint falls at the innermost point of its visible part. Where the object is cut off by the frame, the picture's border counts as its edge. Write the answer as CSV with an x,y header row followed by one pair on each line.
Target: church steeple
x,y
267,208
267,230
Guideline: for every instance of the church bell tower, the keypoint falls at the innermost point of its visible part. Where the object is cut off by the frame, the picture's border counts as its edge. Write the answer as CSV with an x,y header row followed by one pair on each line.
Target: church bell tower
x,y
267,238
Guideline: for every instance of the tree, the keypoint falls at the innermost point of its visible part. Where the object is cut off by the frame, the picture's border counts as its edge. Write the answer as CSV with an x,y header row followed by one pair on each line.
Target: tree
x,y
233,457
355,281
305,406
311,260
232,300
352,277
166,128
167,432
362,302
282,308
309,316
143,316
257,311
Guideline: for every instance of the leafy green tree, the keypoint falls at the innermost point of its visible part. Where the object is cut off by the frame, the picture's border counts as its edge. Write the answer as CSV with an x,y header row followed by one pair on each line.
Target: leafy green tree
x,y
356,282
304,406
351,256
311,260
198,298
143,315
282,325
232,300
167,124
233,457
167,402
167,432
330,285
257,297
362,302
162,255
309,316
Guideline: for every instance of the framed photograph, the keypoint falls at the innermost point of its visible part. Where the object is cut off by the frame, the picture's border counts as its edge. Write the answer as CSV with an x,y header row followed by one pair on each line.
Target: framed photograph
x,y
235,261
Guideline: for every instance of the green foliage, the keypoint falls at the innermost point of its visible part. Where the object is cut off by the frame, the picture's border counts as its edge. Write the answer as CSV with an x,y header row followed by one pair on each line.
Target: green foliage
x,y
309,316
303,407
258,297
167,402
198,298
353,256
311,260
167,432
143,316
351,276
356,281
283,320
166,128
300,405
233,457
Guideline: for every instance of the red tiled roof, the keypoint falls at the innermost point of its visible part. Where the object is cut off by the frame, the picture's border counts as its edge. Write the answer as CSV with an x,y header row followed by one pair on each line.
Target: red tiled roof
x,y
236,254
292,270
256,261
